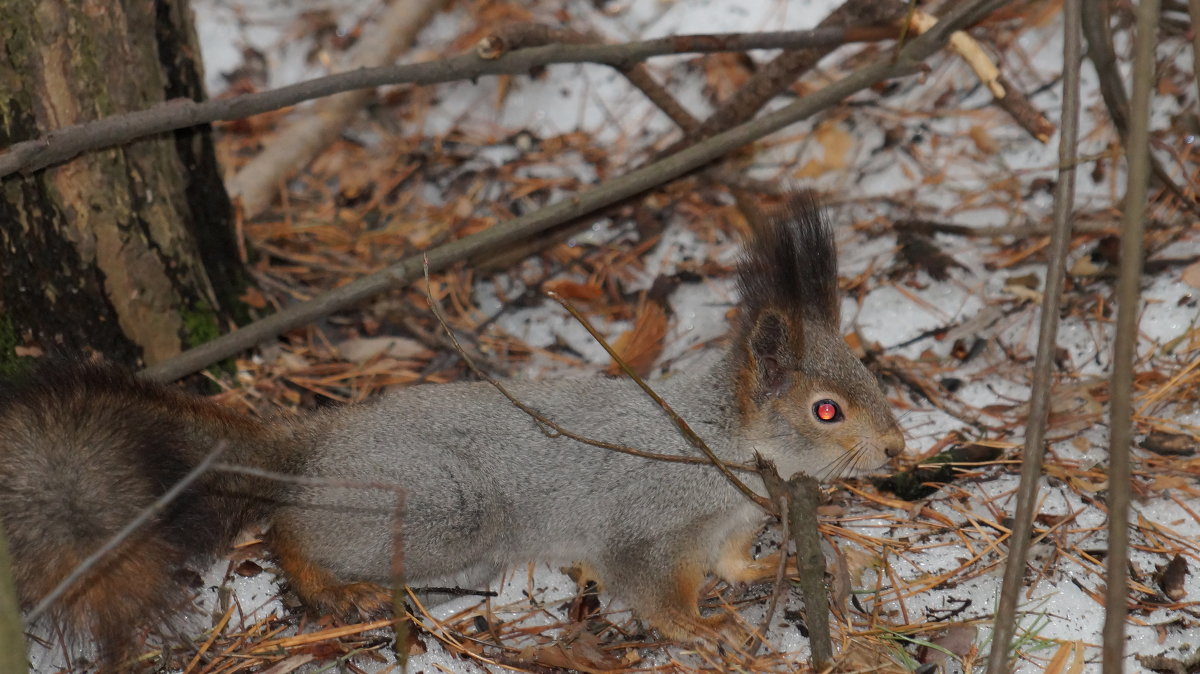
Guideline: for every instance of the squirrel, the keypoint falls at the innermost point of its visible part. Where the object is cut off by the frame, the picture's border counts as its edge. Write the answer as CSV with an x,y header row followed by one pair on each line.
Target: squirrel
x,y
84,448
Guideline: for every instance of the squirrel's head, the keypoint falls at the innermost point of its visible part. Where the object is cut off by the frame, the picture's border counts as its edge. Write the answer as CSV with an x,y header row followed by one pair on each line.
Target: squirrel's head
x,y
806,402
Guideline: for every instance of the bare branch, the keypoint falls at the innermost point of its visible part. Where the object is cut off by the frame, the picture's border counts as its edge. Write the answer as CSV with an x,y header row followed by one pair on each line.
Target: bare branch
x,y
1194,12
804,494
1137,153
801,495
522,35
1039,402
63,144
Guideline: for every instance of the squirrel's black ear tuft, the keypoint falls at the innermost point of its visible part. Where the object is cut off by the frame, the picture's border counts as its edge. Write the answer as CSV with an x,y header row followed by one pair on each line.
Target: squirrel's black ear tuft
x,y
791,263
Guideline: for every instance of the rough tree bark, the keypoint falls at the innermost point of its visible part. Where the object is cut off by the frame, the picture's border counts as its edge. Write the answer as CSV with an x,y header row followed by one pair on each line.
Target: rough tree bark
x,y
126,251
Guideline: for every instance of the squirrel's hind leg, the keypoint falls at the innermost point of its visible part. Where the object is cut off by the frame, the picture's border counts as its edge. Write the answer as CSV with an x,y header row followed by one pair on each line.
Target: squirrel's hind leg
x,y
320,589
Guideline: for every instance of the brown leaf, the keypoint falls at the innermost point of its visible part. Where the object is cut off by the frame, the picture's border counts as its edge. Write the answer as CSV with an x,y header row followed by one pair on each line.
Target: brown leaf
x,y
1163,482
983,140
1169,444
413,643
1107,251
1028,281
248,569
1068,659
920,252
583,653
640,346
836,145
1191,275
1171,577
254,298
724,74
575,291
362,349
585,604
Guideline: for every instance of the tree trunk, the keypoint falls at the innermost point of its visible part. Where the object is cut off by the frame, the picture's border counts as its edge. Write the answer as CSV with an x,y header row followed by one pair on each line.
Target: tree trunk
x,y
126,251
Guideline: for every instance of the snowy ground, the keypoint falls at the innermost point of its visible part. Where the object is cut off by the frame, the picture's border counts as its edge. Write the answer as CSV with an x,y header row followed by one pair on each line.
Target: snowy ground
x,y
932,149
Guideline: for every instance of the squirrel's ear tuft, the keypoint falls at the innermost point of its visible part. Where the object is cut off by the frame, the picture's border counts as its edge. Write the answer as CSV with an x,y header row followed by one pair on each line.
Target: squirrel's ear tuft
x,y
791,263
770,350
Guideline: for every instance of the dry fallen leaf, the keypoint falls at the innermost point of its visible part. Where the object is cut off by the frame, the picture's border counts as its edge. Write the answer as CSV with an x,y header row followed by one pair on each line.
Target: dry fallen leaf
x,y
1171,578
639,346
1169,444
1191,275
362,349
983,140
575,291
1068,659
253,297
724,74
836,145
582,653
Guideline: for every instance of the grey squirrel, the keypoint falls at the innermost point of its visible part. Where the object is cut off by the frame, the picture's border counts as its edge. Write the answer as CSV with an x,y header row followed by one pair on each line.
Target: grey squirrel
x,y
83,449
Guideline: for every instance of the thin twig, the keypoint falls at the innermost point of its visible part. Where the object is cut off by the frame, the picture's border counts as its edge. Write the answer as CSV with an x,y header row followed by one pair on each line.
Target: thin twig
x,y
778,587
212,638
549,427
455,591
403,624
505,234
686,430
111,544
1039,403
304,480
523,35
1194,12
1104,58
1022,110
62,144
1137,152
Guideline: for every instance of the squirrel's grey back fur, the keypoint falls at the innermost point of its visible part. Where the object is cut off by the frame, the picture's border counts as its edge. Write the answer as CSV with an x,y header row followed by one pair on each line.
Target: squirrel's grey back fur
x,y
484,487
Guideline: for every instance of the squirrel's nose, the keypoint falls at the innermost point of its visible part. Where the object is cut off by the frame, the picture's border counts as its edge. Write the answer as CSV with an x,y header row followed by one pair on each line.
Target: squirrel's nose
x,y
893,443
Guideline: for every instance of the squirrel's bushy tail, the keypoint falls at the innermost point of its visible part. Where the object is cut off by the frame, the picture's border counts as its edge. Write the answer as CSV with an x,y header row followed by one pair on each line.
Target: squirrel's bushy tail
x,y
83,451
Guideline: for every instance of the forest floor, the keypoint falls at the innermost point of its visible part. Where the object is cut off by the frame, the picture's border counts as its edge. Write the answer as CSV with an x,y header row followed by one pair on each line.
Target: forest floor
x,y
941,204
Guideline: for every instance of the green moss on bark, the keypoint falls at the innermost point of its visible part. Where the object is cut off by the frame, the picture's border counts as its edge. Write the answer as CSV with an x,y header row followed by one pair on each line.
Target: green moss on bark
x,y
200,324
10,363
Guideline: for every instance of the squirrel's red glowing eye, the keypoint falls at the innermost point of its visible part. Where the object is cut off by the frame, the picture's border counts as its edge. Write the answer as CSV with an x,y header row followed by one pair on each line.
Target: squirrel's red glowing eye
x,y
827,410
